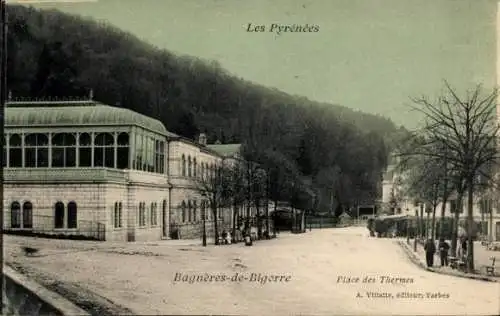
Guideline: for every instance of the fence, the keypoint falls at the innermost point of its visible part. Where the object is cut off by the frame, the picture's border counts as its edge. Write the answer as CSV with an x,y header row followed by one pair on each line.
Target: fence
x,y
44,226
320,222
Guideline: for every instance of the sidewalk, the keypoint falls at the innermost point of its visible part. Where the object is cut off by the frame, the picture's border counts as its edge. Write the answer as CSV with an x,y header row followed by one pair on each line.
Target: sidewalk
x,y
418,258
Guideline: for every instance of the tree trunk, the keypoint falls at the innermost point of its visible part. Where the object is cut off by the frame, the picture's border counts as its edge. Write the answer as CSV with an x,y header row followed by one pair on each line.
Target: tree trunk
x,y
427,230
421,220
216,225
470,222
441,221
235,219
433,227
456,217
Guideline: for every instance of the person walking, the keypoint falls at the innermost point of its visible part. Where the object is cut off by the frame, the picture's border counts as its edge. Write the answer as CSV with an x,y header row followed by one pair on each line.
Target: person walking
x,y
430,250
464,248
444,247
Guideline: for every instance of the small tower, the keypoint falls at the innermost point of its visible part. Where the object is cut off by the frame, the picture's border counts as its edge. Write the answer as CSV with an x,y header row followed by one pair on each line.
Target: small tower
x,y
202,139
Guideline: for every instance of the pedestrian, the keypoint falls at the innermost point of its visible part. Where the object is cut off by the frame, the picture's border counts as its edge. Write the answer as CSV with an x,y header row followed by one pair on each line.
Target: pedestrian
x,y
444,247
430,250
464,248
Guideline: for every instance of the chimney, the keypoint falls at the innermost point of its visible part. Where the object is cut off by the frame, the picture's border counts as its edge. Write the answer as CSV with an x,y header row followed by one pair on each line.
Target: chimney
x,y
202,139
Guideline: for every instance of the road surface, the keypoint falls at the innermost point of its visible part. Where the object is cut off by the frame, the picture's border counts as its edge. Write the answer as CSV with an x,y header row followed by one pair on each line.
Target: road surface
x,y
324,272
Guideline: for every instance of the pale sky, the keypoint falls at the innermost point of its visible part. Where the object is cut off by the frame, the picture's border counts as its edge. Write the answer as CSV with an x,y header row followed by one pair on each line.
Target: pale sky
x,y
370,55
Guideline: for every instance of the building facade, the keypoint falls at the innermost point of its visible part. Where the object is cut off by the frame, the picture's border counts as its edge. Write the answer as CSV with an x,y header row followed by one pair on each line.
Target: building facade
x,y
88,169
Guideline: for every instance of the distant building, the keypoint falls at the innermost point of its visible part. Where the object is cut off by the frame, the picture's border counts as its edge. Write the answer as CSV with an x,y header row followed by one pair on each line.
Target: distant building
x,y
89,169
394,198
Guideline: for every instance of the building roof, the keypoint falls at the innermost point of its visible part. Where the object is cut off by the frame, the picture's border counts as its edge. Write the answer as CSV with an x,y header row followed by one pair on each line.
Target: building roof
x,y
76,113
226,149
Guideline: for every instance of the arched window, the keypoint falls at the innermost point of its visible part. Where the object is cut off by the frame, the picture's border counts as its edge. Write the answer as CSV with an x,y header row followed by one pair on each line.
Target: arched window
x,y
72,215
36,151
194,211
104,150
63,150
122,159
154,214
202,170
142,214
85,150
27,215
164,211
117,218
15,151
120,208
195,166
59,215
183,165
190,209
183,211
115,215
15,215
189,166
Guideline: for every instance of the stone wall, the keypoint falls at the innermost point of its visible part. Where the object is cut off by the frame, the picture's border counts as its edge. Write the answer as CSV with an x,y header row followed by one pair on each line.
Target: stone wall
x,y
22,296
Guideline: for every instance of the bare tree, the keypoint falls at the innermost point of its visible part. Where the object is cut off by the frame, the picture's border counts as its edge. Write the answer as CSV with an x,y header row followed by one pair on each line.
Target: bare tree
x,y
214,186
467,128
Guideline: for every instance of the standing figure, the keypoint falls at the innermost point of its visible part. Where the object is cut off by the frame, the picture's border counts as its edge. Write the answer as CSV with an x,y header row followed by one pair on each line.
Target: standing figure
x,y
464,249
444,247
430,250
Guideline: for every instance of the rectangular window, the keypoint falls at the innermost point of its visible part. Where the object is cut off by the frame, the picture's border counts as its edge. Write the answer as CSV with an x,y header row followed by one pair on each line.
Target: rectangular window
x,y
30,157
58,157
98,157
85,159
70,157
122,158
42,157
4,162
110,157
15,157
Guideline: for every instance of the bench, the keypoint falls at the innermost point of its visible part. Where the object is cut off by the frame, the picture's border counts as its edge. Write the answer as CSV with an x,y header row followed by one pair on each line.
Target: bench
x,y
491,268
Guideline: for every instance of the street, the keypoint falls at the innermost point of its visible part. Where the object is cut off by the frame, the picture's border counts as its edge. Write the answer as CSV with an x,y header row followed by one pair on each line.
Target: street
x,y
328,272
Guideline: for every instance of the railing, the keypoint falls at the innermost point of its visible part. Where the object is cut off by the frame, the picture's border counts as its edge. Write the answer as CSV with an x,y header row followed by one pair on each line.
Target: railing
x,y
62,174
320,222
44,226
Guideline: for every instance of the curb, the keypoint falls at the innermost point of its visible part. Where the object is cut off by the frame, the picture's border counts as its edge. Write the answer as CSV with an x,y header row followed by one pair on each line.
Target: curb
x,y
415,260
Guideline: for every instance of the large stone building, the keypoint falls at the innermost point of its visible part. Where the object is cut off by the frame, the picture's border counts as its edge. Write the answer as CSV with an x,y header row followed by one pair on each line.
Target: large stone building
x,y
89,169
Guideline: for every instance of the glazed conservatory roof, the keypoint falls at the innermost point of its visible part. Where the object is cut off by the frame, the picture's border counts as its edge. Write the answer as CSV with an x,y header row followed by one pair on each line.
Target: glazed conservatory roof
x,y
76,113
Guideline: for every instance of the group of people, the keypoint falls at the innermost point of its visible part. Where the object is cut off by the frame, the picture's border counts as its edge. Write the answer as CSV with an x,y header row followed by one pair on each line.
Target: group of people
x,y
443,249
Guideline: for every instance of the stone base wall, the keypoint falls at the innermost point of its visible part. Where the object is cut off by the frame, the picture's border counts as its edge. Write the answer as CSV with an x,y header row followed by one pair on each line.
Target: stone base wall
x,y
95,204
21,296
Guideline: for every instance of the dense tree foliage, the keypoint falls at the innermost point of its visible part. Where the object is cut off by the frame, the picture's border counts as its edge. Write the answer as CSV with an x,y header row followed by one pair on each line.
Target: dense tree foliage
x,y
335,155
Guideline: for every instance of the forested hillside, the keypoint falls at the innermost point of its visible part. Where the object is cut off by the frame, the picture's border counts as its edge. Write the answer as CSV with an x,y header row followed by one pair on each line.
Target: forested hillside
x,y
327,150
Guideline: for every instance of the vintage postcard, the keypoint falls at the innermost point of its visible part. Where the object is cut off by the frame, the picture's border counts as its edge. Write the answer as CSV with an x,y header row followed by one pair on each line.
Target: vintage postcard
x,y
225,157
